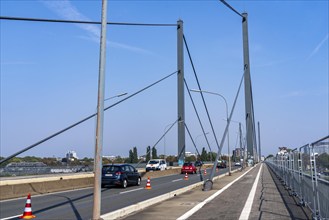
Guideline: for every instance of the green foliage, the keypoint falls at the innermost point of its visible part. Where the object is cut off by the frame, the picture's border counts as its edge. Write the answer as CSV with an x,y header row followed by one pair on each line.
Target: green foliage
x,y
12,160
154,153
148,153
211,156
31,159
171,159
131,156
135,155
323,160
190,159
119,159
50,161
204,155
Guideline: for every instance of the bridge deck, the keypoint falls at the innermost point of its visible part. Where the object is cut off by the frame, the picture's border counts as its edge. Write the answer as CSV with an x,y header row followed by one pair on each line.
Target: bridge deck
x,y
270,201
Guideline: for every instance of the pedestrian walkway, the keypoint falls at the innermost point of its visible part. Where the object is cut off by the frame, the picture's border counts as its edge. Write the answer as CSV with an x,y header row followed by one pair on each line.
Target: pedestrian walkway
x,y
228,200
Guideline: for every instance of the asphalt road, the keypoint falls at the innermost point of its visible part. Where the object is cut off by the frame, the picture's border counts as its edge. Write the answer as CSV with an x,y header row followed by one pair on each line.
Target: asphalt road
x,y
78,204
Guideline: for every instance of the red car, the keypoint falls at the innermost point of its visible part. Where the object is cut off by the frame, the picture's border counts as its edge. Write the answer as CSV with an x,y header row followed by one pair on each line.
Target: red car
x,y
188,168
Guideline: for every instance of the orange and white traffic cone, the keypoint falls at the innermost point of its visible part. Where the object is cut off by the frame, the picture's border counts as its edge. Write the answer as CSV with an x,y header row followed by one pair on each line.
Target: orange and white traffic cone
x,y
186,176
148,183
205,172
28,209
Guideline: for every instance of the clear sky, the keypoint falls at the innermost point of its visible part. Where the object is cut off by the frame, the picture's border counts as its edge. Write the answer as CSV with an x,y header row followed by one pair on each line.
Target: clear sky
x,y
49,73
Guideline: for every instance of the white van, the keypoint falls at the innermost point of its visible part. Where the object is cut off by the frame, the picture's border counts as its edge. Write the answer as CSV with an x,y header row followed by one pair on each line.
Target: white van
x,y
156,164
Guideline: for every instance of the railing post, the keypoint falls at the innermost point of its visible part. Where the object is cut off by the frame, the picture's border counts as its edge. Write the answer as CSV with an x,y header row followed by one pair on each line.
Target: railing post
x,y
314,183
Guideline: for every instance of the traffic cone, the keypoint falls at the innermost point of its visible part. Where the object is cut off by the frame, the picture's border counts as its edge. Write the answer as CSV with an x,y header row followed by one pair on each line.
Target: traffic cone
x,y
186,176
148,183
28,209
205,172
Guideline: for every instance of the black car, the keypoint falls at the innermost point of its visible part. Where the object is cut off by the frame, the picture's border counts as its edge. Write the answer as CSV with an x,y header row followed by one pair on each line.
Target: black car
x,y
198,163
221,164
120,175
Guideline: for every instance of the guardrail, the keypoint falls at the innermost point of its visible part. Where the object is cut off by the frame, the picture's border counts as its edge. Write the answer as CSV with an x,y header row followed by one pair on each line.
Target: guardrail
x,y
305,173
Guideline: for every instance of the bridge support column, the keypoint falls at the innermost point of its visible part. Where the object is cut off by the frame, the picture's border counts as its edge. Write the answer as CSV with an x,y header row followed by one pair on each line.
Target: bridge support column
x,y
180,93
247,90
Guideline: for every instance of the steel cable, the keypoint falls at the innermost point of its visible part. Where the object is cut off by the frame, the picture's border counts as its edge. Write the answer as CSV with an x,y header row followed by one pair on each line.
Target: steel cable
x,y
83,120
204,102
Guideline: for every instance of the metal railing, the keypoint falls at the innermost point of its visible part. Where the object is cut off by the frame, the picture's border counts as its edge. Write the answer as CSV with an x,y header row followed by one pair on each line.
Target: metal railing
x,y
305,174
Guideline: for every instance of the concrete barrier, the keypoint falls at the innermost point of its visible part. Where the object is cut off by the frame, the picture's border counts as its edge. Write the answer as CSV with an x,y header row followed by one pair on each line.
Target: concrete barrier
x,y
20,188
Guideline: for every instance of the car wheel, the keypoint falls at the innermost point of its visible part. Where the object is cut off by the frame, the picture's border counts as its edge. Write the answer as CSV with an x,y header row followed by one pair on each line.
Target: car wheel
x,y
124,183
103,185
138,181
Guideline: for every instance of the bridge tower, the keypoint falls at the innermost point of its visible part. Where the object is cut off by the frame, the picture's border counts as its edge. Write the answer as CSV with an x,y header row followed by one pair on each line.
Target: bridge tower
x,y
250,122
180,93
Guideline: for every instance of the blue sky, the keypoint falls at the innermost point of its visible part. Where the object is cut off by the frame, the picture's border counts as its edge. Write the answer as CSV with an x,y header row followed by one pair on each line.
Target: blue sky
x,y
49,73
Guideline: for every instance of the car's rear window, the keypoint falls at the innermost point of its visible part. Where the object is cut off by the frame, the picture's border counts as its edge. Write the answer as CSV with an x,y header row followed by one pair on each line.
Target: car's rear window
x,y
153,161
110,169
187,164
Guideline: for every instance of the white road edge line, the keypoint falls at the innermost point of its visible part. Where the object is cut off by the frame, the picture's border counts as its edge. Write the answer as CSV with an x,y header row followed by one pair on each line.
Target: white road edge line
x,y
201,204
247,207
11,217
130,190
176,180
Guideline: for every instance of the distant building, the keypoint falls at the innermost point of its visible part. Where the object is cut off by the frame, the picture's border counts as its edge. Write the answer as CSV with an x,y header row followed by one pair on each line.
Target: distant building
x,y
71,155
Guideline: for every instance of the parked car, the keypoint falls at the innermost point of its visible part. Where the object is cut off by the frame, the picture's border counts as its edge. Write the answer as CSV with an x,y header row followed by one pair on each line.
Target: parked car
x,y
156,164
120,175
188,167
221,164
198,163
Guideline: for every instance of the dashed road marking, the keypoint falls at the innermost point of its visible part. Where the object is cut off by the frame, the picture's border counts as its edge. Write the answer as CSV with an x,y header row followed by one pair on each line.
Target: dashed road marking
x,y
128,191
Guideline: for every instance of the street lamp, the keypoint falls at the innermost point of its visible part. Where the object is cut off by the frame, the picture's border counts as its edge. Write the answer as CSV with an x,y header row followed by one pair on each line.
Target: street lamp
x,y
228,136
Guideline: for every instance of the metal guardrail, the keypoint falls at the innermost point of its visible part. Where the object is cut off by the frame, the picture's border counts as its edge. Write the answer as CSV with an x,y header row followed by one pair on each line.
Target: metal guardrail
x,y
305,173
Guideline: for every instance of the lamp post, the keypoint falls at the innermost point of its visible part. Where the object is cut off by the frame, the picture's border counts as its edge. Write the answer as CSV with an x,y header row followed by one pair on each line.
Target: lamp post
x,y
228,136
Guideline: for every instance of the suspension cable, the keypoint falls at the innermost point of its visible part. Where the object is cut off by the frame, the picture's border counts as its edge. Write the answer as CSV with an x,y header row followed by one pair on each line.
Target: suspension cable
x,y
158,140
230,7
188,131
204,102
80,22
197,114
83,120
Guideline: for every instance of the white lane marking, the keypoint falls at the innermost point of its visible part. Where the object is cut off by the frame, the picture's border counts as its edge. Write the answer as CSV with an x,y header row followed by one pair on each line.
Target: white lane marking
x,y
247,207
201,204
130,190
176,180
11,217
